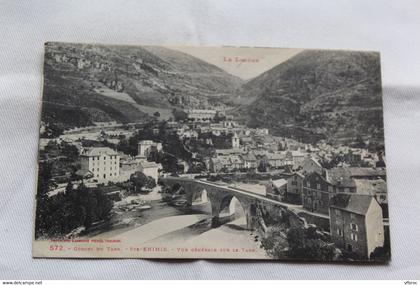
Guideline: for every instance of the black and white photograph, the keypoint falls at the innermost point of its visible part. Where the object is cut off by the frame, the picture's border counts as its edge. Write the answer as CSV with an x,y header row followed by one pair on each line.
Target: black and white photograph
x,y
197,152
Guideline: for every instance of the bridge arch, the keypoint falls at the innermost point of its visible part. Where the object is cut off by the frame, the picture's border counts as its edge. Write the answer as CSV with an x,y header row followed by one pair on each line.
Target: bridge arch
x,y
176,188
200,201
200,197
232,208
260,213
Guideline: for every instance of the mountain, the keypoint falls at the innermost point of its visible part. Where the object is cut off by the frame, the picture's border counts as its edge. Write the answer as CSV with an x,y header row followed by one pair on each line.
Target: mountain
x,y
84,83
331,95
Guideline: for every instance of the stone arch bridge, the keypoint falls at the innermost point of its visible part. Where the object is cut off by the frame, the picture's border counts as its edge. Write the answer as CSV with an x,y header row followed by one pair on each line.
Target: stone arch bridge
x,y
259,211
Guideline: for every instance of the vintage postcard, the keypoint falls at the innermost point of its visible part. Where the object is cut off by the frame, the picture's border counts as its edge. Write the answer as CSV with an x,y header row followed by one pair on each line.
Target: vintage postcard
x,y
211,152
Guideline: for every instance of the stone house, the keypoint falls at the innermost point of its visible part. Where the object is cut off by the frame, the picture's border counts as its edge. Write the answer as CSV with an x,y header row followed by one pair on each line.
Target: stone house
x,y
356,224
250,161
276,189
294,188
275,160
376,188
316,193
310,164
145,147
150,168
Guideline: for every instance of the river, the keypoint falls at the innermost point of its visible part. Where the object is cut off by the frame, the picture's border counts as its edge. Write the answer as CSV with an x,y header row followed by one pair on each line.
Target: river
x,y
176,226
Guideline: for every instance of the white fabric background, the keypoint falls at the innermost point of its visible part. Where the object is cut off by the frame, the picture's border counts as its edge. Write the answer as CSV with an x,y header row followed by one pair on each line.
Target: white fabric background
x,y
392,27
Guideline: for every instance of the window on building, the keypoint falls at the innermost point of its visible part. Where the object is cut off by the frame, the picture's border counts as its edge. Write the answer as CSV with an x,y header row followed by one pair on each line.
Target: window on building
x,y
308,184
339,232
354,227
294,183
353,236
318,186
337,212
330,189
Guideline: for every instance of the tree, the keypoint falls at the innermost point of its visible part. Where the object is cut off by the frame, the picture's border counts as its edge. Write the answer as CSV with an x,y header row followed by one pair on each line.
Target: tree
x,y
42,200
153,155
140,180
197,167
69,188
359,143
381,253
308,244
219,117
61,213
69,151
299,243
179,115
52,130
262,167
275,243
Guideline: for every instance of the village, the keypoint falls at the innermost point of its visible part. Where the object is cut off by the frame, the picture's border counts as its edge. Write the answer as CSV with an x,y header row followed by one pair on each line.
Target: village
x,y
336,188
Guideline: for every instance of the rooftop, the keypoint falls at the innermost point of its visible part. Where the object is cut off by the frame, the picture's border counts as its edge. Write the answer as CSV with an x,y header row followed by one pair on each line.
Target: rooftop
x,y
279,182
228,151
370,187
98,151
344,175
249,157
275,156
150,164
355,203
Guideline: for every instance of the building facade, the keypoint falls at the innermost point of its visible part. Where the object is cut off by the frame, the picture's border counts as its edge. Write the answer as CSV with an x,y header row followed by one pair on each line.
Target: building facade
x,y
316,193
310,164
145,147
276,189
356,224
151,169
294,188
102,162
201,115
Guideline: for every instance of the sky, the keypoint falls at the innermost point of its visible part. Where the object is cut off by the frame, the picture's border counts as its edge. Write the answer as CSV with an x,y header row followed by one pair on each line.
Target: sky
x,y
243,62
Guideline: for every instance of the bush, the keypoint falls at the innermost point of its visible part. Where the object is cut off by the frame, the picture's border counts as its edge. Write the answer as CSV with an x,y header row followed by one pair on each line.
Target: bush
x,y
308,244
275,242
298,243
